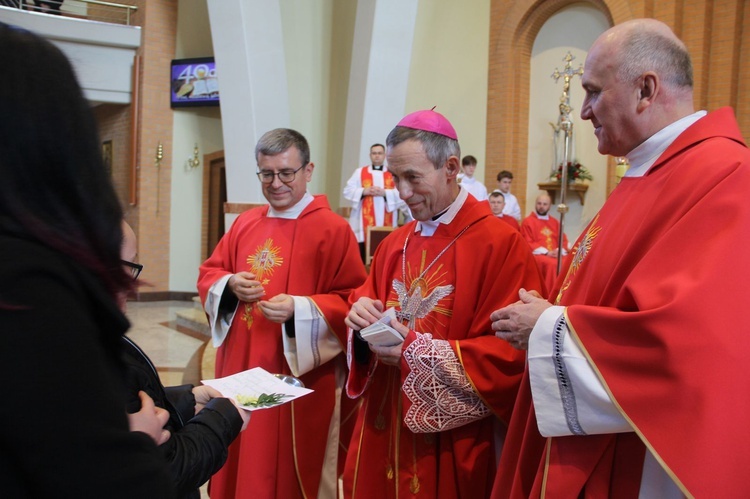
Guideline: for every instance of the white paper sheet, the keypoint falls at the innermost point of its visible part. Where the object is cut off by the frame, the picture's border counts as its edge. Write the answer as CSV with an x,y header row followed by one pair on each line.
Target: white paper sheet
x,y
253,383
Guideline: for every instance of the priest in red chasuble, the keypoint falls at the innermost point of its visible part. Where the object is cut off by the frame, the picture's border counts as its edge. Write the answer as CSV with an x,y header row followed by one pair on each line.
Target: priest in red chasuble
x,y
436,398
542,232
636,383
275,291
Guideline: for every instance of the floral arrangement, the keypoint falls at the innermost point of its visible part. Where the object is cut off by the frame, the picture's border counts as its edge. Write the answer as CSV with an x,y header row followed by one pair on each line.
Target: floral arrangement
x,y
576,171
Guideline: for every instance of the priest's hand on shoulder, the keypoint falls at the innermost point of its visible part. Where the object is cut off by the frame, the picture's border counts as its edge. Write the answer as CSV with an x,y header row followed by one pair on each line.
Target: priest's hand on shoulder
x,y
279,309
515,322
364,312
245,287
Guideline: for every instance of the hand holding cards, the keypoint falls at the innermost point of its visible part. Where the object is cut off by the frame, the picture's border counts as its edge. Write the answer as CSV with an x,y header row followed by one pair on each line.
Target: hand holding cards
x,y
381,333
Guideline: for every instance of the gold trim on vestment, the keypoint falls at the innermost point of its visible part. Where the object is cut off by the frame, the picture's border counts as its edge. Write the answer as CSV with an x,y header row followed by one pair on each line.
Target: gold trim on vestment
x,y
473,386
294,452
359,448
640,434
398,440
548,447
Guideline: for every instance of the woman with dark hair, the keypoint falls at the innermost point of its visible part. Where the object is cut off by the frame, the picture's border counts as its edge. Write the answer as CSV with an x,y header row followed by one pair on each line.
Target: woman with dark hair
x,y
63,427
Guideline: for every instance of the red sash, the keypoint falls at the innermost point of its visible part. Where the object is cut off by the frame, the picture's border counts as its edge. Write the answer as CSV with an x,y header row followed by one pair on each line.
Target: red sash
x,y
368,205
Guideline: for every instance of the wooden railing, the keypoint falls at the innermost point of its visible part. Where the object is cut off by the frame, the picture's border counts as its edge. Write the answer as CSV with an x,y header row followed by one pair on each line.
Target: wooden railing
x,y
93,10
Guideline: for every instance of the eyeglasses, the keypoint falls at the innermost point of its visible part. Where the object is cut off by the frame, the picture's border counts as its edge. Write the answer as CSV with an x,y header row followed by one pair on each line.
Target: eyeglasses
x,y
285,176
135,268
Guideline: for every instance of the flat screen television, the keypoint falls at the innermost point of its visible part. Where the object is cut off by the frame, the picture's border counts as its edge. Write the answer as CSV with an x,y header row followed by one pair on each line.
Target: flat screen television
x,y
194,82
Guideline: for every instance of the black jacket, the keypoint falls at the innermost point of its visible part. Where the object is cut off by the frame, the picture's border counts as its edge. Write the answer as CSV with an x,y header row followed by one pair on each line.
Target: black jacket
x,y
198,445
63,430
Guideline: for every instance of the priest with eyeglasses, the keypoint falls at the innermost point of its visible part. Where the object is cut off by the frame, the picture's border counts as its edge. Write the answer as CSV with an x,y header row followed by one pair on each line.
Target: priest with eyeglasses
x,y
275,291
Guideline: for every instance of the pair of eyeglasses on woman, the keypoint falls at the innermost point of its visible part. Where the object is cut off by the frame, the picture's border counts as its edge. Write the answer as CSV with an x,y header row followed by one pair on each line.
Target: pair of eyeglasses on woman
x,y
285,176
135,268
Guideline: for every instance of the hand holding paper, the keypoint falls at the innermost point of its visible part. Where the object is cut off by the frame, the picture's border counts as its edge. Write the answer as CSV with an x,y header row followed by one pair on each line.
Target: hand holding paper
x,y
256,388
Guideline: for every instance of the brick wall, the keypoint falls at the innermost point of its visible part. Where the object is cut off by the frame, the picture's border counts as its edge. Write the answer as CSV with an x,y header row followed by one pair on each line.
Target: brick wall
x,y
114,127
150,215
712,31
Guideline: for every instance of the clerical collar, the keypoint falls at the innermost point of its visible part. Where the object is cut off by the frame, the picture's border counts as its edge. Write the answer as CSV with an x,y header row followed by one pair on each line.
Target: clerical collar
x,y
294,211
428,228
541,217
645,155
378,168
435,218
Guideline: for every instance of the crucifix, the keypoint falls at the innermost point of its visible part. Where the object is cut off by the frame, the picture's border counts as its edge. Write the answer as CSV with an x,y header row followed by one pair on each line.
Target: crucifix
x,y
565,125
566,74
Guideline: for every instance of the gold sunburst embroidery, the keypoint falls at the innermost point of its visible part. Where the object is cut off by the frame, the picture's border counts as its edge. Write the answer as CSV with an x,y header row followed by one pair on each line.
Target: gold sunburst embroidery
x,y
581,251
262,264
264,260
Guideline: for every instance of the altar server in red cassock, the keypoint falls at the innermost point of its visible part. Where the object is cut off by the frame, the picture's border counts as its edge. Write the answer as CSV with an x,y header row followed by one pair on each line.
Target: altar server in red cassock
x,y
542,232
637,378
275,291
435,405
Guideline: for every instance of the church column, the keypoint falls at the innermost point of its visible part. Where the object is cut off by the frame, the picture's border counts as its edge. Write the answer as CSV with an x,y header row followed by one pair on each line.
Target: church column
x,y
381,57
249,51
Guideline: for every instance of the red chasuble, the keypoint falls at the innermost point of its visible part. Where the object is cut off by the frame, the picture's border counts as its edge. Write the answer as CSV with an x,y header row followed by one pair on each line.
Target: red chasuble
x,y
657,299
544,234
486,266
510,221
281,452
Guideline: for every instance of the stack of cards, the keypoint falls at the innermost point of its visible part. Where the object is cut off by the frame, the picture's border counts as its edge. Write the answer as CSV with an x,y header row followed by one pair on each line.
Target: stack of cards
x,y
380,333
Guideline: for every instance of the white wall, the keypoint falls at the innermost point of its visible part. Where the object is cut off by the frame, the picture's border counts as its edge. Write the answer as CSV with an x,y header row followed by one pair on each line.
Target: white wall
x,y
378,78
450,55
572,29
307,42
74,7
191,126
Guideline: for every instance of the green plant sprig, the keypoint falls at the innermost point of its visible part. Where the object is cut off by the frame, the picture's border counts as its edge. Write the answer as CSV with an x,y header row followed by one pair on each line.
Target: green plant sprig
x,y
262,400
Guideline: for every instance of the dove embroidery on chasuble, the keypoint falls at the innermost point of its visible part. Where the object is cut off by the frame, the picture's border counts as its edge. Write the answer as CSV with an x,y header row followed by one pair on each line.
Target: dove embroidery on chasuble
x,y
424,290
424,425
